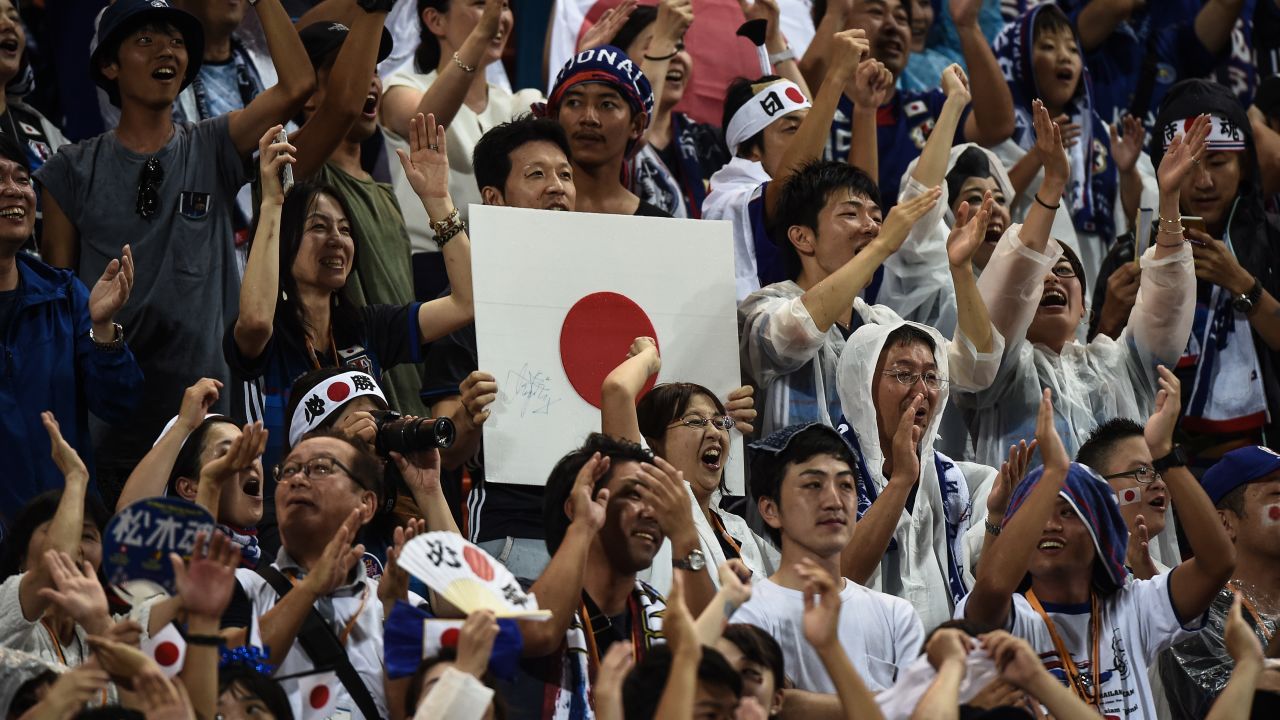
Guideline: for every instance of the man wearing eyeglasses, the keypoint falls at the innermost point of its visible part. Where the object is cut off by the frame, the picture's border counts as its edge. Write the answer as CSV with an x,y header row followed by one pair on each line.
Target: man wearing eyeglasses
x,y
327,488
168,189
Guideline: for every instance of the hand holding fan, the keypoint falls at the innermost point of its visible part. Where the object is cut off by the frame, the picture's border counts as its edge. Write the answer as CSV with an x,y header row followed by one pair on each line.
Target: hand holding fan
x,y
467,576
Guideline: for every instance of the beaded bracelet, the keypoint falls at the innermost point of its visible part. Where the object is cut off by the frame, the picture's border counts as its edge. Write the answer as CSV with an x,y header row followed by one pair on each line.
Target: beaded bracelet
x,y
447,228
468,69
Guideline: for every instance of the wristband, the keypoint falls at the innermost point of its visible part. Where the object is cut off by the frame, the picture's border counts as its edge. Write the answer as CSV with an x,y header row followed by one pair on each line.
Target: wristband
x,y
1045,204
447,228
788,53
992,527
206,640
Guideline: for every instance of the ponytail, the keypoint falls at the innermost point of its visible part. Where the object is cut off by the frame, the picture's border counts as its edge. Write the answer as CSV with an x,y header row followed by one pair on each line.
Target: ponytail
x,y
427,56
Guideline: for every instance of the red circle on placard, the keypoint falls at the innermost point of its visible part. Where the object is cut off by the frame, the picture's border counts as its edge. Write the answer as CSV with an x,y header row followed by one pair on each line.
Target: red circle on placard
x,y
595,337
795,95
339,391
449,638
319,696
166,653
478,560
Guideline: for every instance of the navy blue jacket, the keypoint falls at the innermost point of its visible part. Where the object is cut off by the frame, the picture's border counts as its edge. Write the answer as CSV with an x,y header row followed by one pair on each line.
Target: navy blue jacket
x,y
49,363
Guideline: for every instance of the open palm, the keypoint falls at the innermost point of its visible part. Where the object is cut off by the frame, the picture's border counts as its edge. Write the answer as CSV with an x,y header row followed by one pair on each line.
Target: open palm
x,y
426,165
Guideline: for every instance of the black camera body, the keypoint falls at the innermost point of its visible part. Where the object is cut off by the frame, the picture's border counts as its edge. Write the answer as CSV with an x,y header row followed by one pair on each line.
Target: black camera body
x,y
397,433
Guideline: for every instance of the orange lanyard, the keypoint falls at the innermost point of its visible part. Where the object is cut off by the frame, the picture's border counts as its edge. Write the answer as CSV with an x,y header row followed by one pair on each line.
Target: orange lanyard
x,y
724,533
351,624
593,650
311,351
1253,613
1091,695
57,648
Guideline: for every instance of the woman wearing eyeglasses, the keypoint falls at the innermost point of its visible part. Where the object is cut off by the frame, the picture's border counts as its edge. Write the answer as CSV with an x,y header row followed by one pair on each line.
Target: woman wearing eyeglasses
x,y
689,427
1035,288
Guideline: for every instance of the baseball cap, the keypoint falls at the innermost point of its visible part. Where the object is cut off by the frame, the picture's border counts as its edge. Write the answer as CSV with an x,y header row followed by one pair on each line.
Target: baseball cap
x,y
1239,467
323,38
125,16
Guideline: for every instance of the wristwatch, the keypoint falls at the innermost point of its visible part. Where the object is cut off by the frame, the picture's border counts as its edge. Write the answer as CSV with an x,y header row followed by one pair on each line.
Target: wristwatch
x,y
1247,301
695,561
1175,459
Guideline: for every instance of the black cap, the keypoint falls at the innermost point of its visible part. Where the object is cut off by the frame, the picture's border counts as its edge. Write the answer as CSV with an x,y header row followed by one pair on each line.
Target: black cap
x,y
125,16
323,38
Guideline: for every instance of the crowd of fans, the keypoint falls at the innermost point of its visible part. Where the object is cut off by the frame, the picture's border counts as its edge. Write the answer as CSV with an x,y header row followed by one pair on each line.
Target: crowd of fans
x,y
1006,277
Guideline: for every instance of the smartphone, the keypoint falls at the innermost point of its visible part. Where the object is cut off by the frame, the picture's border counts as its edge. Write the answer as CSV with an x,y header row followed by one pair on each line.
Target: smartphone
x,y
286,173
1190,222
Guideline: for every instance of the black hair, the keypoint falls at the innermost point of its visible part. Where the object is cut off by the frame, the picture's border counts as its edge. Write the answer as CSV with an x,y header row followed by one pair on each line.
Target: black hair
x,y
965,626
973,162
188,464
304,385
235,676
413,691
366,470
1077,267
560,483
759,647
739,93
642,689
27,695
1095,450
39,510
492,155
769,469
1050,19
1234,501
908,334
427,56
642,17
667,403
290,326
807,192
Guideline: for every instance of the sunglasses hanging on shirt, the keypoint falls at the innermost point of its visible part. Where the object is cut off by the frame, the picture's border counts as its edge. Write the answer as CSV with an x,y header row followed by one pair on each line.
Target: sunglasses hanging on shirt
x,y
148,203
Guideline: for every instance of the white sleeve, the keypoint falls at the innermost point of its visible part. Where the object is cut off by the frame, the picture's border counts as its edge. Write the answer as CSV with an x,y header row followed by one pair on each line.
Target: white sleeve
x,y
917,278
457,696
16,632
1012,282
1149,605
969,370
908,634
1162,315
777,335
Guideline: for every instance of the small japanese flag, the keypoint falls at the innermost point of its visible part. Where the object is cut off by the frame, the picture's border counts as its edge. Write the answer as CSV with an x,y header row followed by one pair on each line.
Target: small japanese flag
x,y
1271,514
318,694
438,635
168,649
1129,496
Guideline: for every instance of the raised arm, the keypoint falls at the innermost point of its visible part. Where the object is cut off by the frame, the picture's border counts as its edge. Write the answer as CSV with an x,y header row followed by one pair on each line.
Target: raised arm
x,y
830,299
850,46
991,121
674,18
932,165
1125,150
775,42
66,527
205,584
818,54
872,86
972,319
1004,563
281,102
1214,23
821,624
1099,18
446,95
244,451
1194,583
426,165
559,588
345,91
261,284
1057,170
622,387
151,475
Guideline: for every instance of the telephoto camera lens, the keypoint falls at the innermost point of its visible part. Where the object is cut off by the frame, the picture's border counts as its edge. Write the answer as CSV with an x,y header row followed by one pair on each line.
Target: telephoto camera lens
x,y
397,433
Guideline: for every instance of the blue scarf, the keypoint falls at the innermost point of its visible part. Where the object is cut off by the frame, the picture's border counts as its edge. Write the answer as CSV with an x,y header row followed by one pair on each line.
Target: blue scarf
x,y
1094,182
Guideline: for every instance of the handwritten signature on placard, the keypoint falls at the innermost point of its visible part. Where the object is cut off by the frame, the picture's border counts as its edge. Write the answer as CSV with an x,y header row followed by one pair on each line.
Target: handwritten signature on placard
x,y
532,391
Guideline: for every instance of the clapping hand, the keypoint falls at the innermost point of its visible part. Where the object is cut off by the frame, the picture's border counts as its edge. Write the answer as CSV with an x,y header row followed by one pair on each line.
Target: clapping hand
x,y
394,583
206,581
967,235
1160,426
109,294
904,216
1138,553
1052,452
337,559
76,591
602,32
1011,473
1127,147
1049,146
1182,156
64,456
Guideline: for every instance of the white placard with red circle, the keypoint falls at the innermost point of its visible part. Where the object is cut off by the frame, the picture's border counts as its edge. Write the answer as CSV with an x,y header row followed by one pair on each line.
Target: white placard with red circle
x,y
559,297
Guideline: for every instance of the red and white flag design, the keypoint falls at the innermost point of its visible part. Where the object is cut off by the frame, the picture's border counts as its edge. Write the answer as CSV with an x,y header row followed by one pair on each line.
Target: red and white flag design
x,y
318,694
1129,496
438,635
1271,514
168,649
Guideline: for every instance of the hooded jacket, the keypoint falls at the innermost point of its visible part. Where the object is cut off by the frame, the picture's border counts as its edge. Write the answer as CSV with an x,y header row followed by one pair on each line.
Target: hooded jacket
x,y
935,545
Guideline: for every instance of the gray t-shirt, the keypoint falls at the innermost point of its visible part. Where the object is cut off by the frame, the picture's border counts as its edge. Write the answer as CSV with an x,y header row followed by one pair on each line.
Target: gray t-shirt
x,y
186,288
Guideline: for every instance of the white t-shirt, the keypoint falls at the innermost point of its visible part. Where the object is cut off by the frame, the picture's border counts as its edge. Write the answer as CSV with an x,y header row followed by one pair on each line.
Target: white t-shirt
x,y
1139,622
881,633
464,132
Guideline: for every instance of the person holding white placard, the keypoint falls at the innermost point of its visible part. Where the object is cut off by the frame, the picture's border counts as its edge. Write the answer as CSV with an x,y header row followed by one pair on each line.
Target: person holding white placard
x,y
689,427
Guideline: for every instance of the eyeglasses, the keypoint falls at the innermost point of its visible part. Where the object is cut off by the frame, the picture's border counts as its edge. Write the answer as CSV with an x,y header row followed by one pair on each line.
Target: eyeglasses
x,y
932,380
317,467
1143,475
1064,271
697,422
148,203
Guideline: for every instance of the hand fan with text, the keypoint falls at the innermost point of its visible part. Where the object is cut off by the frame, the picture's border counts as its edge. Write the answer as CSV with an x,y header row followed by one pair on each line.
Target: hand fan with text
x,y
467,576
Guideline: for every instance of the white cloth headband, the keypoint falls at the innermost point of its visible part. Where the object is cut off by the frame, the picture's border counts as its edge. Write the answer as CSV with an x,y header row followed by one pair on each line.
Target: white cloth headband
x,y
1224,135
169,426
775,100
324,399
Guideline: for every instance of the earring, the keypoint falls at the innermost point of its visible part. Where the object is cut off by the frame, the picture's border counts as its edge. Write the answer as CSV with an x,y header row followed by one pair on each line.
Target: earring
x,y
284,295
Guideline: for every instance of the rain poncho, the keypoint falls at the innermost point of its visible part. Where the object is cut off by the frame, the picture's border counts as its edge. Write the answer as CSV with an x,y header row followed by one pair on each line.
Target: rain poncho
x,y
917,278
935,544
1195,671
1091,383
793,363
